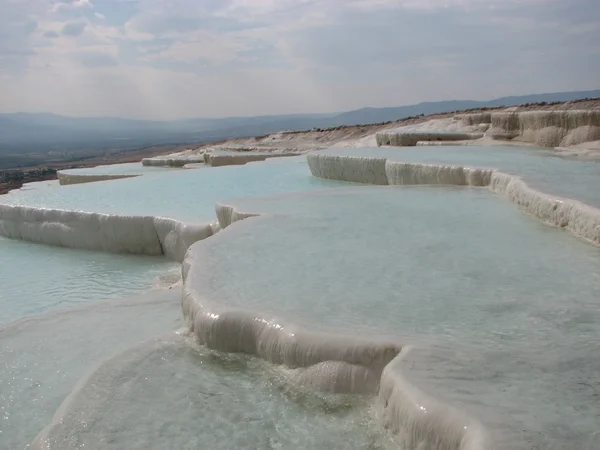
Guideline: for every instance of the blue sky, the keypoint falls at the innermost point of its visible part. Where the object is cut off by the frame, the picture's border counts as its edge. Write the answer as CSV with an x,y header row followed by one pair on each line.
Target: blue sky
x,y
167,59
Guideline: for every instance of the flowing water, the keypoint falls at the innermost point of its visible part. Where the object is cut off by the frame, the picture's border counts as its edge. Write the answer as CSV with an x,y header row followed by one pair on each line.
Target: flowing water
x,y
169,393
42,357
503,310
36,279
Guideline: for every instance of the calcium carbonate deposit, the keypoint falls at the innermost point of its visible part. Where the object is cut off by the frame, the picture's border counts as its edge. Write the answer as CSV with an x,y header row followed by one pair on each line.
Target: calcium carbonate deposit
x,y
502,300
426,312
105,173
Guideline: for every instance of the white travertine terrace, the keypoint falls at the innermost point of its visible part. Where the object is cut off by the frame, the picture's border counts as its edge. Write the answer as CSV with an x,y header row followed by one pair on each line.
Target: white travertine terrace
x,y
547,128
193,165
422,422
233,159
399,173
543,128
143,235
66,178
411,138
327,362
348,168
475,118
322,361
173,160
580,219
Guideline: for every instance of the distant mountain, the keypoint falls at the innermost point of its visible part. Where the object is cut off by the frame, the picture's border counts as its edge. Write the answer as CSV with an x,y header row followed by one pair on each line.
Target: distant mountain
x,y
42,132
548,98
377,115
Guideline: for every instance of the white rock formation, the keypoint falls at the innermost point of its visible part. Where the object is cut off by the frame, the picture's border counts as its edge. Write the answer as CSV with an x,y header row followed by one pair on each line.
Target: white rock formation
x,y
400,173
327,362
323,361
422,422
67,178
475,118
144,235
349,168
411,138
231,159
543,128
547,128
175,160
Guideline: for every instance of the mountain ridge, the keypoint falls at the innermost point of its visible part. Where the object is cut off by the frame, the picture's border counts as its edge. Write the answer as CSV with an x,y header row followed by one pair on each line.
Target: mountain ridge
x,y
42,132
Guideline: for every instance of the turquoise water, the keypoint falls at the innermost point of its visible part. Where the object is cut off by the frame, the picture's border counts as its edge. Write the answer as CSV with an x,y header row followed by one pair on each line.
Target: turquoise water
x,y
539,167
503,310
44,355
37,278
180,194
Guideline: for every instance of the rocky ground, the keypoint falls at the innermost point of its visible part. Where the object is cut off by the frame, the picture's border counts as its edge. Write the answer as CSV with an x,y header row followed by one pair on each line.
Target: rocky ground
x,y
14,179
364,135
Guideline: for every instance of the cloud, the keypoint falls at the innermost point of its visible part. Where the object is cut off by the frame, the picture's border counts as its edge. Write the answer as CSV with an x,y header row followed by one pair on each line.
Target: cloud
x,y
173,58
62,7
18,24
73,29
51,34
163,19
94,59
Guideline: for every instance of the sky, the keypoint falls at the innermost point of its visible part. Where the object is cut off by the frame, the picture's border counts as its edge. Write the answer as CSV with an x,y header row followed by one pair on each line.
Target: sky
x,y
170,59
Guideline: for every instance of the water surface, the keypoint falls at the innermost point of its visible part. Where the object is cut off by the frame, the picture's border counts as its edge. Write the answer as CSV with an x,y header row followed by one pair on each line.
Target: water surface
x,y
36,278
42,357
203,399
119,169
540,168
504,309
180,194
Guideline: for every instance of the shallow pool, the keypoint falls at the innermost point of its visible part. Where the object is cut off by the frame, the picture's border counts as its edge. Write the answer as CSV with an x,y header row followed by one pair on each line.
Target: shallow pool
x,y
118,169
44,355
503,310
36,278
181,194
540,168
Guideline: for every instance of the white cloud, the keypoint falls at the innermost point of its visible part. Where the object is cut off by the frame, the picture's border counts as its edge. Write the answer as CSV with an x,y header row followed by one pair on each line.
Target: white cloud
x,y
73,28
96,59
70,6
205,47
173,58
